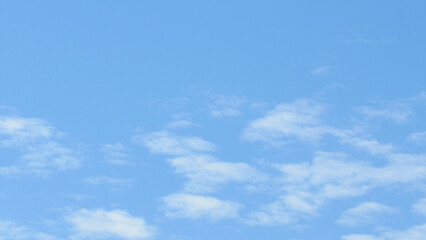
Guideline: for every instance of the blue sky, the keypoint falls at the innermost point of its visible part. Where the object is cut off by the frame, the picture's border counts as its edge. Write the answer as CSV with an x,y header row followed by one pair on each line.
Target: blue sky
x,y
189,120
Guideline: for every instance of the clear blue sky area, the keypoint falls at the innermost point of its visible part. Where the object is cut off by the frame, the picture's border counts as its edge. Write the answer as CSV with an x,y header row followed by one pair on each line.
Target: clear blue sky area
x,y
190,120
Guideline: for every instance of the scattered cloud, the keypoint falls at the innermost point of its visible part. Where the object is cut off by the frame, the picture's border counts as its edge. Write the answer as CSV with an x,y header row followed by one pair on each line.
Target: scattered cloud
x,y
308,186
36,140
102,224
321,70
364,213
303,187
168,143
198,207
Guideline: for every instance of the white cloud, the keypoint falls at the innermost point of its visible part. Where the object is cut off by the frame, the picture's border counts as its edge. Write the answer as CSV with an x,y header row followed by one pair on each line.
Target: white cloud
x,y
205,173
10,230
197,207
364,213
418,138
308,186
17,131
321,70
300,119
413,233
420,207
115,153
167,143
36,140
102,224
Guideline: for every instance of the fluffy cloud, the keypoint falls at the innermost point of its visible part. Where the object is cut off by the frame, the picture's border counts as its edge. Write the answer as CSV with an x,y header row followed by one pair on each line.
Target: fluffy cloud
x,y
102,224
36,139
167,143
197,207
364,213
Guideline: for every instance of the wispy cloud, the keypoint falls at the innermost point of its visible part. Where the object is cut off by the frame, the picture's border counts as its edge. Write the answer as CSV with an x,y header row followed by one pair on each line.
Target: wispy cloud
x,y
198,207
302,120
223,106
115,153
418,138
321,70
180,124
37,140
115,182
364,213
17,131
414,233
103,224
398,110
308,186
206,174
11,230
168,143
398,113
420,207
